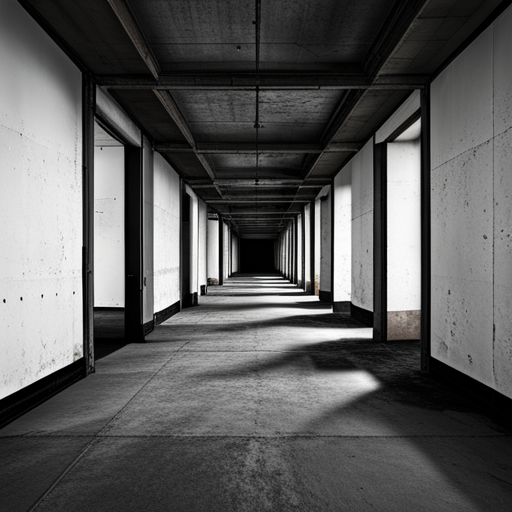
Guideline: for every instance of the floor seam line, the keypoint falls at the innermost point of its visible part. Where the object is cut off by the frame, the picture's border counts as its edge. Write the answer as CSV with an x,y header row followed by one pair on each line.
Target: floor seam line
x,y
140,390
56,482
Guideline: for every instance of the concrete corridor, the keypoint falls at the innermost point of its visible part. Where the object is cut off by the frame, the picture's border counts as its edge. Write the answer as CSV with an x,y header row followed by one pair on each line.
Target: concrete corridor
x,y
258,399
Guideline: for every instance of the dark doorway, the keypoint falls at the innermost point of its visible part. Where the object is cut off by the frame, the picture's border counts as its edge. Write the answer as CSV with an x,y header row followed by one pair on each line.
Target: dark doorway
x,y
257,255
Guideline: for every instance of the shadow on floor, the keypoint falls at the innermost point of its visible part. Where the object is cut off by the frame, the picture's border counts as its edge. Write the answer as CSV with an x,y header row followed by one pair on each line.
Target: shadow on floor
x,y
108,331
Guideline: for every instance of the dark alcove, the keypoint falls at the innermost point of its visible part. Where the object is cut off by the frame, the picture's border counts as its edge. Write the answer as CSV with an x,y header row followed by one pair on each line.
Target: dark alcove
x,y
257,255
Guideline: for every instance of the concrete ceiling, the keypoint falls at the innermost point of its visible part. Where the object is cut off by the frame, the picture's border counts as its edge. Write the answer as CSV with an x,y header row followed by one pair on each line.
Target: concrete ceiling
x,y
258,103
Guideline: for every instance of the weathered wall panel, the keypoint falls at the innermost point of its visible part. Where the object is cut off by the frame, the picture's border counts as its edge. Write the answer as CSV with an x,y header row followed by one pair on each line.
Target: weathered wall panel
x,y
40,204
166,234
362,228
471,214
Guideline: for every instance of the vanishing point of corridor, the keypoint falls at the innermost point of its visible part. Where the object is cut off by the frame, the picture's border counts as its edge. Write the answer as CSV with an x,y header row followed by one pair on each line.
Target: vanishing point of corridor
x,y
258,399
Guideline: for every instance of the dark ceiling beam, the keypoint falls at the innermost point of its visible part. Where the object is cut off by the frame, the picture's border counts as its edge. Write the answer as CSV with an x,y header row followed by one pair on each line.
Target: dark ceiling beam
x,y
174,112
129,23
395,29
264,197
274,81
131,27
255,201
249,182
258,213
263,148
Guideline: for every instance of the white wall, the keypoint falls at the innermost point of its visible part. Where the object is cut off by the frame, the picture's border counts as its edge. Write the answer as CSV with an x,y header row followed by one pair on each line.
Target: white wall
x,y
342,264
109,239
166,234
471,184
40,204
404,226
362,228
202,247
213,249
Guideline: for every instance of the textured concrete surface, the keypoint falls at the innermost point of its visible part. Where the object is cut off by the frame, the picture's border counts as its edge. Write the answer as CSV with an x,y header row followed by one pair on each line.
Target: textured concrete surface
x,y
362,228
471,214
40,203
258,399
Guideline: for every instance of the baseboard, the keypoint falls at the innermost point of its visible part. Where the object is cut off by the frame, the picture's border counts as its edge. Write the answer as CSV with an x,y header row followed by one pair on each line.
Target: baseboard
x,y
496,401
104,308
22,401
166,313
341,307
361,315
148,327
325,296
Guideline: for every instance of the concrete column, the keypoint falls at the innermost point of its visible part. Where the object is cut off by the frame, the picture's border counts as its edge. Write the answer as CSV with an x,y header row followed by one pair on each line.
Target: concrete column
x,y
134,331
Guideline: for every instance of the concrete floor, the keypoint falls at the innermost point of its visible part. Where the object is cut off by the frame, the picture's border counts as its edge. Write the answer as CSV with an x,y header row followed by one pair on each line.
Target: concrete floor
x,y
258,399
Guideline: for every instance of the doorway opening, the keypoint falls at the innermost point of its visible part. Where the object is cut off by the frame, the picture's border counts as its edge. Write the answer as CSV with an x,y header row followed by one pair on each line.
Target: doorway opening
x,y
109,243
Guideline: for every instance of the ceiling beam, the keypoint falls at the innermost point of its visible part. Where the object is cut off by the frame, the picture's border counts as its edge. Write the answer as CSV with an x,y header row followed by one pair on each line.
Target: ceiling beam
x,y
395,29
174,112
250,182
274,81
250,148
255,201
131,27
257,212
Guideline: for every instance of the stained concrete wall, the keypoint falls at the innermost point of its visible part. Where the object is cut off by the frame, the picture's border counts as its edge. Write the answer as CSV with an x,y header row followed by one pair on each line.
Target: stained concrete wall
x,y
40,204
166,234
471,183
342,262
109,226
202,245
362,228
213,249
